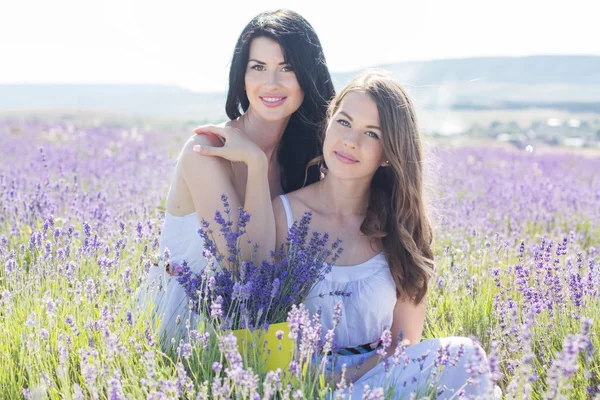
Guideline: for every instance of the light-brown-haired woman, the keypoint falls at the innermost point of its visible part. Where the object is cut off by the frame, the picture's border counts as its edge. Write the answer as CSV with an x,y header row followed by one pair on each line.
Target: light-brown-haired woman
x,y
372,198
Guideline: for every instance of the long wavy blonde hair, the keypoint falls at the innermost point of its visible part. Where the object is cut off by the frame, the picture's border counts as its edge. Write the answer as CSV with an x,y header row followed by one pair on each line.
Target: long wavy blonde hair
x,y
396,213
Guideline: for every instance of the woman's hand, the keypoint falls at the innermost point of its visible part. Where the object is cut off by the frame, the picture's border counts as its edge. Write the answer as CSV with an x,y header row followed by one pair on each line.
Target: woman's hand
x,y
328,378
237,147
332,380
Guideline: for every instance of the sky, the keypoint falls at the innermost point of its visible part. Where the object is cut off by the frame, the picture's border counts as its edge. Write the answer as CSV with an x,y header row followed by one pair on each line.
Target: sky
x,y
190,43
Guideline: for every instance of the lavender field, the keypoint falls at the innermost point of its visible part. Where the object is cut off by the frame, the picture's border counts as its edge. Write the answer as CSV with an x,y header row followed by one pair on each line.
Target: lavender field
x,y
517,248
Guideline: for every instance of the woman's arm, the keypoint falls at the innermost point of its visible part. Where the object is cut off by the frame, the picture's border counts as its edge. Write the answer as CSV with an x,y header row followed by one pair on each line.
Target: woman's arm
x,y
237,148
408,318
206,179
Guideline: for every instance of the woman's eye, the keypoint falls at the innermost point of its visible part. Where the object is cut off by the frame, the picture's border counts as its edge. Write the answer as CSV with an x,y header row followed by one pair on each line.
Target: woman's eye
x,y
258,67
343,122
372,134
287,68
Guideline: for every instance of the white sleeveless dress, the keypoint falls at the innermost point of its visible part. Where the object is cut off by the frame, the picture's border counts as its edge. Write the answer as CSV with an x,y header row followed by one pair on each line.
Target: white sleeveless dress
x,y
162,292
366,313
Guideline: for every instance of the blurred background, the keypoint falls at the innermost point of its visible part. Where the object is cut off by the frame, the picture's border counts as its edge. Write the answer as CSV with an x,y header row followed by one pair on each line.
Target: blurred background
x,y
511,73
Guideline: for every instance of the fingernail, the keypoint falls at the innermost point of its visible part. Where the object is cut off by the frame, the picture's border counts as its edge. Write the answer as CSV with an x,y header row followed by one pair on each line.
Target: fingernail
x,y
197,148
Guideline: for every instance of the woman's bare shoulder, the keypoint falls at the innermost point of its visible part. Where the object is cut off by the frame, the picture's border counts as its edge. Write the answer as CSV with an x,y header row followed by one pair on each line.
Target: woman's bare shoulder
x,y
300,199
203,139
193,163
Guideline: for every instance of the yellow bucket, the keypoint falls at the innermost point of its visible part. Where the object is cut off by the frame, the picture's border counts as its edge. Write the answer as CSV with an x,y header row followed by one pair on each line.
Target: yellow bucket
x,y
263,350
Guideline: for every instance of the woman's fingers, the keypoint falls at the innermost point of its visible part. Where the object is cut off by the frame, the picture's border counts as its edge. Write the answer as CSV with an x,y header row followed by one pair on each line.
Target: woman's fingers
x,y
209,150
216,130
235,147
197,132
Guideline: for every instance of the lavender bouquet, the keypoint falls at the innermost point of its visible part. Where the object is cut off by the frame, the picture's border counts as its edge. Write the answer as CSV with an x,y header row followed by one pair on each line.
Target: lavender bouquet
x,y
242,294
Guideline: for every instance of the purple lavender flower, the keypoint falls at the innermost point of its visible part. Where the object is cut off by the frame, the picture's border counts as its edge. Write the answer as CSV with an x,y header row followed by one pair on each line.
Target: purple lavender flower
x,y
236,294
50,307
279,334
217,367
31,320
240,288
294,368
115,391
186,350
337,313
275,289
78,393
216,310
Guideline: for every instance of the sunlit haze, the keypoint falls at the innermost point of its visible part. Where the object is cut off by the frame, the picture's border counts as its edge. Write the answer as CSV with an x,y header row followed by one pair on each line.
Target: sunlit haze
x,y
190,43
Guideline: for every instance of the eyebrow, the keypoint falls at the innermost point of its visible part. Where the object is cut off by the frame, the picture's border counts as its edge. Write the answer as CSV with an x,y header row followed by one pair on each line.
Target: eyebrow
x,y
264,63
350,118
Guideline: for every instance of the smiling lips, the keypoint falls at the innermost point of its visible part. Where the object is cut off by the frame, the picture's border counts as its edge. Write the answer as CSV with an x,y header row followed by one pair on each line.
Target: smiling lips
x,y
345,158
273,101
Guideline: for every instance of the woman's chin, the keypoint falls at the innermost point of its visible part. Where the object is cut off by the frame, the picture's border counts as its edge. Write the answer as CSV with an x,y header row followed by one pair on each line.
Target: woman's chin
x,y
272,114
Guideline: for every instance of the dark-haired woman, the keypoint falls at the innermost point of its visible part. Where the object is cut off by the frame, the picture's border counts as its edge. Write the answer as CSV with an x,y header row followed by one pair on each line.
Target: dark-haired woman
x,y
279,87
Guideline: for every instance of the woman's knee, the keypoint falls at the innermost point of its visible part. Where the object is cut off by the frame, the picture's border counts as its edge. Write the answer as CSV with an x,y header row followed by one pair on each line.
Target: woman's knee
x,y
467,345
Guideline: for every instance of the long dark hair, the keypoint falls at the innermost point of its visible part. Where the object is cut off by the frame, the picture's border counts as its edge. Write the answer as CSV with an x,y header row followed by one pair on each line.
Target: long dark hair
x,y
302,49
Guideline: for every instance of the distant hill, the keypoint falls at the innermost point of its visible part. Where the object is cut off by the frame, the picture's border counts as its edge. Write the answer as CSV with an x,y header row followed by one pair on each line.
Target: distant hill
x,y
161,100
561,82
533,70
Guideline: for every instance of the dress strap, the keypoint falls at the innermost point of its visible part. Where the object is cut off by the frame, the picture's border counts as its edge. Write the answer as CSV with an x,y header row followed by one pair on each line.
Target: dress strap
x,y
288,210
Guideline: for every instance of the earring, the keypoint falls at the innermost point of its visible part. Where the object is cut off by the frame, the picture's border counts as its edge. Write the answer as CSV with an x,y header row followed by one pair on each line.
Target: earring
x,y
385,163
322,171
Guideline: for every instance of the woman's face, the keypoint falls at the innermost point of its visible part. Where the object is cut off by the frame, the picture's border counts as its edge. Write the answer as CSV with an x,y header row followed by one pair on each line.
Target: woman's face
x,y
353,146
271,85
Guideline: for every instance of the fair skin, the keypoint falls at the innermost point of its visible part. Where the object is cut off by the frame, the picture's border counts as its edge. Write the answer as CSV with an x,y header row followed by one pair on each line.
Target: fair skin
x,y
241,155
353,152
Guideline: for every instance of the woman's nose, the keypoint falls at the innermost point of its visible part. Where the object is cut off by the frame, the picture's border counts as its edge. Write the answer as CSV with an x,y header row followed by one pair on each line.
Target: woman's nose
x,y
272,79
351,138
